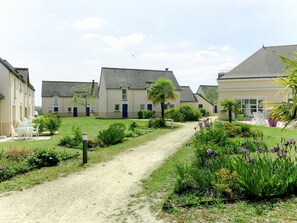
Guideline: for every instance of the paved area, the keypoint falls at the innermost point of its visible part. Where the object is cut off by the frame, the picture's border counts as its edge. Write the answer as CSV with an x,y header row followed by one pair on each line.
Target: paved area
x,y
99,194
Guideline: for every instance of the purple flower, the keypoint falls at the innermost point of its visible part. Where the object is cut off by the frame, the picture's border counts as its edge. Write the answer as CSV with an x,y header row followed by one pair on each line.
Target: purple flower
x,y
287,143
243,150
282,154
249,159
260,149
292,141
275,149
209,152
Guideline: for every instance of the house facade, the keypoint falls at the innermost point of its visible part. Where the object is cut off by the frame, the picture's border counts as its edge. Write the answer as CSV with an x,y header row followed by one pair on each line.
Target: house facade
x,y
57,96
123,92
210,94
17,96
195,100
251,82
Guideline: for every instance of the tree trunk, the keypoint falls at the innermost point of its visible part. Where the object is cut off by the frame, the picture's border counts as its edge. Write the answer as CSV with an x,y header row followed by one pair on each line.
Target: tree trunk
x,y
230,116
162,110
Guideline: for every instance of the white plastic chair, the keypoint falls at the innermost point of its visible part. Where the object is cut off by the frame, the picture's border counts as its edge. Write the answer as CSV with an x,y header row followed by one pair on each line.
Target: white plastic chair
x,y
36,131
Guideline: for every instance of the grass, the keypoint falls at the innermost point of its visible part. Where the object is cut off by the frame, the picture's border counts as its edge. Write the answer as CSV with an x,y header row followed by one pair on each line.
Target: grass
x,y
87,124
160,185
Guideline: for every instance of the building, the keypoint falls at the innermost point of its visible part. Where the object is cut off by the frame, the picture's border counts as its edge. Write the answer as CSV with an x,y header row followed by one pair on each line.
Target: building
x,y
17,96
251,81
210,93
57,96
123,92
195,100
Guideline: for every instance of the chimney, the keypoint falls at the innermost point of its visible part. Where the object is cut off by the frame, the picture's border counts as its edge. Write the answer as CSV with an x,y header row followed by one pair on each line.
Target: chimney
x,y
92,88
166,69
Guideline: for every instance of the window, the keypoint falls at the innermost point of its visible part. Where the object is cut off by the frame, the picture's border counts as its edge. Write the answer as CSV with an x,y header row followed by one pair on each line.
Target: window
x,y
116,107
124,94
250,105
55,100
171,105
93,109
142,106
200,106
56,109
69,109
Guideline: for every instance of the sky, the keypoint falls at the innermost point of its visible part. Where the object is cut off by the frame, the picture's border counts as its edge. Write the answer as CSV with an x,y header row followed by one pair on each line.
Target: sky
x,y
71,40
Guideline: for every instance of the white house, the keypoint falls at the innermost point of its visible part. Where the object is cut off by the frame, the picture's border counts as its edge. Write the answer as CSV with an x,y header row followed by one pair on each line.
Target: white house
x,y
17,96
123,92
251,81
57,96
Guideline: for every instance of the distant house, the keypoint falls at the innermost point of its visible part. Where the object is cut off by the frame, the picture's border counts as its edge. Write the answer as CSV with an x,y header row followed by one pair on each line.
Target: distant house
x,y
251,81
196,100
17,96
123,92
57,96
210,93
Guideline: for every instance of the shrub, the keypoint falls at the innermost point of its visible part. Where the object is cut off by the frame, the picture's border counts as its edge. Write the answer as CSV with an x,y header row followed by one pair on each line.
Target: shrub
x,y
113,135
183,113
157,123
53,122
145,114
41,120
203,112
95,143
43,158
16,154
72,141
7,172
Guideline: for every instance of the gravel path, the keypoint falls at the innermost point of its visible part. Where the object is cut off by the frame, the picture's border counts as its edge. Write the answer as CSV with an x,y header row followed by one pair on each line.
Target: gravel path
x,y
99,194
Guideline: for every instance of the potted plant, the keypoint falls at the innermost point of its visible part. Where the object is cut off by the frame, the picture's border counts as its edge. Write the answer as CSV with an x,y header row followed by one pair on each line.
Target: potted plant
x,y
272,120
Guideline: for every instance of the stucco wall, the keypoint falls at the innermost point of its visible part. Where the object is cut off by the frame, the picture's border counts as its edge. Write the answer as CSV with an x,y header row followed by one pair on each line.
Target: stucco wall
x,y
255,89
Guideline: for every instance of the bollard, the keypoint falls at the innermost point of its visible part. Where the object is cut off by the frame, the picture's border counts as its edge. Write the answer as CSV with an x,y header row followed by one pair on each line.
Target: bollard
x,y
171,123
85,148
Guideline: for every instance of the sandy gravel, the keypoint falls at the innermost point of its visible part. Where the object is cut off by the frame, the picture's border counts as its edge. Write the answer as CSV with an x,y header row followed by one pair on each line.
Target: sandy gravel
x,y
101,193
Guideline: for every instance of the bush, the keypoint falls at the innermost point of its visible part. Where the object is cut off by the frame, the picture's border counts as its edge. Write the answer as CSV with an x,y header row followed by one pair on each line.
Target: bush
x,y
72,141
145,114
113,135
203,112
157,123
183,113
49,121
43,158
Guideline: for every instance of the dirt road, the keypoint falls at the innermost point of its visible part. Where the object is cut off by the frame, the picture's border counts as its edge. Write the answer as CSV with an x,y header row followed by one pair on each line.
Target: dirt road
x,y
99,194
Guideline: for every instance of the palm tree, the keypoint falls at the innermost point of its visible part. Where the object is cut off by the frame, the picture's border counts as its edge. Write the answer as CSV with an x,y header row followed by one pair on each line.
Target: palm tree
x,y
161,91
229,106
288,110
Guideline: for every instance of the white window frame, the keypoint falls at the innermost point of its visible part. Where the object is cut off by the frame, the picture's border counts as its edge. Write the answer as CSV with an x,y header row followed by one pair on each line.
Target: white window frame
x,y
124,95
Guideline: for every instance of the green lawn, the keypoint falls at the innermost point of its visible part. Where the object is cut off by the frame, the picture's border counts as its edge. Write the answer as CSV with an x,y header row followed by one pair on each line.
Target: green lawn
x,y
91,126
160,185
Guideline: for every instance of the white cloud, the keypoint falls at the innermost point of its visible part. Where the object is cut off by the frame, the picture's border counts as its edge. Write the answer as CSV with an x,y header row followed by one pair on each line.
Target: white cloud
x,y
89,23
93,62
118,43
91,36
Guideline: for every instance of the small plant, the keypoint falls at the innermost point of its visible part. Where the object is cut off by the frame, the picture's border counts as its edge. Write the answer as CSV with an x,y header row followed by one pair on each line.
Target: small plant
x,y
157,123
43,158
72,141
113,135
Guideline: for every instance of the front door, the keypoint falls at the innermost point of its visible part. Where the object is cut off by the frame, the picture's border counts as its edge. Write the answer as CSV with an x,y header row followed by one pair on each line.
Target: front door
x,y
149,107
75,112
87,111
125,111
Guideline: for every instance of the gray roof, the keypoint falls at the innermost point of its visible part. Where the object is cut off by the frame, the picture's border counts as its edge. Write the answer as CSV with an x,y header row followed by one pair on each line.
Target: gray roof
x,y
203,88
265,63
187,94
63,88
134,78
21,73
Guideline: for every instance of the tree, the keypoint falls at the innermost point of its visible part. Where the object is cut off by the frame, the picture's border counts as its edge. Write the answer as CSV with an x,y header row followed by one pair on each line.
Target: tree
x,y
161,91
83,95
287,111
211,94
229,106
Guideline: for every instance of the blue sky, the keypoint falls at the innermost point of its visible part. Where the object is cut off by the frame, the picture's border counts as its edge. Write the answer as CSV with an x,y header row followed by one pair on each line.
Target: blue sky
x,y
70,40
